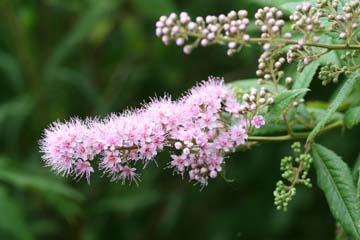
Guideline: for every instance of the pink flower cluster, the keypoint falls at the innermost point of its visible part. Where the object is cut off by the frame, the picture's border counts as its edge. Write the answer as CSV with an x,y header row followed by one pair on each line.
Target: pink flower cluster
x,y
201,128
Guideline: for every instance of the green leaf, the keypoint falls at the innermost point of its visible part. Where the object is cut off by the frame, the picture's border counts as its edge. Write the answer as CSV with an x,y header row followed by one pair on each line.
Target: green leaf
x,y
290,7
154,8
352,117
13,116
10,67
281,102
78,34
334,178
340,97
319,113
132,200
356,169
38,183
303,79
82,84
356,175
12,220
274,3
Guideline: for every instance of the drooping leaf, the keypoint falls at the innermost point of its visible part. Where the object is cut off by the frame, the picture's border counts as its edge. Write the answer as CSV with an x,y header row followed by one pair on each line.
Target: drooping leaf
x,y
303,79
334,178
340,97
352,117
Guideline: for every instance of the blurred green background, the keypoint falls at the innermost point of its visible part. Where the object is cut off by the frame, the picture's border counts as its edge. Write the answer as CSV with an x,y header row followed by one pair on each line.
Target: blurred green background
x,y
61,58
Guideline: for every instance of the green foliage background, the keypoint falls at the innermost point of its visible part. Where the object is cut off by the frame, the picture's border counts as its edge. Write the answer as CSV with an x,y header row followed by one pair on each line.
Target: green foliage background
x,y
60,59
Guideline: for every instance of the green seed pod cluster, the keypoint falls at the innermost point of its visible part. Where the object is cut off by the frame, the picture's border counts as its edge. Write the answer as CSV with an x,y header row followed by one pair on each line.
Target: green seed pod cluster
x,y
295,171
330,73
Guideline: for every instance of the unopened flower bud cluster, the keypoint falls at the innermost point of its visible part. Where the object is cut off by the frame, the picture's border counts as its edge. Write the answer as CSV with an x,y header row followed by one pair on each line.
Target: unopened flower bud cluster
x,y
345,23
224,29
270,22
255,99
306,20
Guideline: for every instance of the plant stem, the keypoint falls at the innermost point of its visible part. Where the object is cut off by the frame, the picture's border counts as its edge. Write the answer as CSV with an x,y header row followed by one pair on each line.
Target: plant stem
x,y
222,40
294,136
312,44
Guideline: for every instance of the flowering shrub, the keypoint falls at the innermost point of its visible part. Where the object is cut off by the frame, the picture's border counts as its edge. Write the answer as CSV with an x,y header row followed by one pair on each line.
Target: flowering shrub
x,y
214,119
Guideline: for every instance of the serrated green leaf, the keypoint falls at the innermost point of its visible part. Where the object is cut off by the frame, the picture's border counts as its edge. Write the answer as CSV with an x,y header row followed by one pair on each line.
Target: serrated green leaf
x,y
356,169
334,178
352,117
356,175
303,79
340,97
246,84
281,102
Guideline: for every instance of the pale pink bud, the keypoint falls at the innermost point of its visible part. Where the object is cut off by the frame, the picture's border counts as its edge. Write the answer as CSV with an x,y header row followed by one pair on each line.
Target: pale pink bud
x,y
266,46
211,36
246,37
213,174
192,26
270,100
180,41
232,45
204,42
187,49
178,145
288,35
